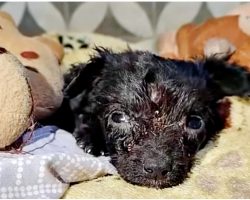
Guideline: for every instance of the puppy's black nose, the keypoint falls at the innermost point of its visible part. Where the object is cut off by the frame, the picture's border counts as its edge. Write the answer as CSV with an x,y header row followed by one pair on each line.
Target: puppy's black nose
x,y
157,169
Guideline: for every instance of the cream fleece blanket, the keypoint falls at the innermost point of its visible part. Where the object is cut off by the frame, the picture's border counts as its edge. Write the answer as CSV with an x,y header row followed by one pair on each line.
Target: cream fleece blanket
x,y
223,170
223,166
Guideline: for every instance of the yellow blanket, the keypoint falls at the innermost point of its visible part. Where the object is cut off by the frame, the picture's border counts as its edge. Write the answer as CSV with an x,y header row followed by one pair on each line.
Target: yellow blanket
x,y
223,169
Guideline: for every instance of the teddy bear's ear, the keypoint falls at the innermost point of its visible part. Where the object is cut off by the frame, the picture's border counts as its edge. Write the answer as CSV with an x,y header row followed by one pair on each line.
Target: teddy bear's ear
x,y
81,77
53,45
227,79
8,17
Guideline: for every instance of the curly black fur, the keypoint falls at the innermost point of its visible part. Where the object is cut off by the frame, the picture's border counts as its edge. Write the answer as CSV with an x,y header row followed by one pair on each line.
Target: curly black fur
x,y
150,114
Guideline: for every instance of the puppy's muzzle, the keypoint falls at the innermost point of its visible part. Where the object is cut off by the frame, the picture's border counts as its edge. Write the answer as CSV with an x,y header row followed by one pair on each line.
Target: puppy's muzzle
x,y
157,167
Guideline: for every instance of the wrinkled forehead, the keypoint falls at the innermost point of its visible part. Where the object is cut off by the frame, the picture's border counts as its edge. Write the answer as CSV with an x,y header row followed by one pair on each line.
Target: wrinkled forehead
x,y
168,98
162,84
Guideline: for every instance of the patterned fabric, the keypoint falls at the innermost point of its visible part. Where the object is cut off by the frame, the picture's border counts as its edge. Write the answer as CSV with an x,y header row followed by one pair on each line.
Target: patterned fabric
x,y
132,21
48,163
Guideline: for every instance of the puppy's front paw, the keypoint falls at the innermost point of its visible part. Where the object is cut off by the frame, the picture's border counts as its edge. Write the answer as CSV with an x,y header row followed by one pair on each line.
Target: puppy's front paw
x,y
88,148
83,140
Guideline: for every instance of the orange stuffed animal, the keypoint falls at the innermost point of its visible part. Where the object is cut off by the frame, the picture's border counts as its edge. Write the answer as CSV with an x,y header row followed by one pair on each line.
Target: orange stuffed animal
x,y
227,36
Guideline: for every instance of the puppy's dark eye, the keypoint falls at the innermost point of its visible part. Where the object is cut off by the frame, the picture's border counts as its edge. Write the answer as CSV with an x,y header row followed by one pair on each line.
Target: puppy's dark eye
x,y
194,122
119,117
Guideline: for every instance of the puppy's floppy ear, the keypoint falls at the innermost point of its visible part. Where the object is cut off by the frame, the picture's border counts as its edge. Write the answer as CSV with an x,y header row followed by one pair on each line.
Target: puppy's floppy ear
x,y
227,79
84,75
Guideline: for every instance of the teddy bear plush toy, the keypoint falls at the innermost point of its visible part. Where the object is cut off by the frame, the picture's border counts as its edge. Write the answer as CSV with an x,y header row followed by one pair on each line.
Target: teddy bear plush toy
x,y
31,79
224,36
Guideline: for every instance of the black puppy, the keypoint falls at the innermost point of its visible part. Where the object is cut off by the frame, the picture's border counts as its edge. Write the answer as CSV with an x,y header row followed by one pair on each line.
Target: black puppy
x,y
150,114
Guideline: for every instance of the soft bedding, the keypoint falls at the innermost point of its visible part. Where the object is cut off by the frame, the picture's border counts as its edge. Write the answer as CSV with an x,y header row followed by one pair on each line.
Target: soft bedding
x,y
52,166
47,164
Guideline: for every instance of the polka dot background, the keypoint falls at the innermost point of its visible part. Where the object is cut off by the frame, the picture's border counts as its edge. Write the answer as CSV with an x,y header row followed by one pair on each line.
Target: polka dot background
x,y
48,175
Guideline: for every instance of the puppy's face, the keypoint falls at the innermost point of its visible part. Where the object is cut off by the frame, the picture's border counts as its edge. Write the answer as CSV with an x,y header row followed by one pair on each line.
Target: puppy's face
x,y
153,139
155,119
155,114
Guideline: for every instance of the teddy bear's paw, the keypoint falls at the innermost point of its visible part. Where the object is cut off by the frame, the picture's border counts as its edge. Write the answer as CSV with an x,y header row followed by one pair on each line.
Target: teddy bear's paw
x,y
16,103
